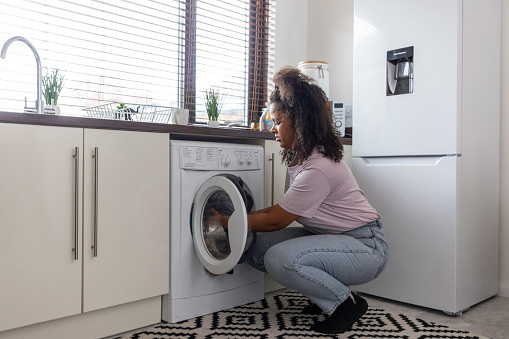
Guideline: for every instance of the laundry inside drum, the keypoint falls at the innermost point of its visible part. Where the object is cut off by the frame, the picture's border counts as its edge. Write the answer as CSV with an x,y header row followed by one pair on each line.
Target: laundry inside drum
x,y
215,236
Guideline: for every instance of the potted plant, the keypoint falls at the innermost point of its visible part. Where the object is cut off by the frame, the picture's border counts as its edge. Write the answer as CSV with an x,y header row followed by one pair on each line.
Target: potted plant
x,y
255,123
213,104
52,85
125,113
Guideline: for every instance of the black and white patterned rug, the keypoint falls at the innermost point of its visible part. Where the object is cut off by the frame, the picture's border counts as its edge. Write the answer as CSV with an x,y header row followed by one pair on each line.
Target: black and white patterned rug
x,y
280,317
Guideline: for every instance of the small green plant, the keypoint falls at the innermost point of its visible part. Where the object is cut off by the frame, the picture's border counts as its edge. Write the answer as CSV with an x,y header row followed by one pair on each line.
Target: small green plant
x,y
52,84
213,103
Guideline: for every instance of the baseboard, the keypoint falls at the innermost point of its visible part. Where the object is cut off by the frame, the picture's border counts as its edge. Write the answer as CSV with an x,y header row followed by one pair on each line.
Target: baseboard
x,y
271,285
175,310
94,324
503,289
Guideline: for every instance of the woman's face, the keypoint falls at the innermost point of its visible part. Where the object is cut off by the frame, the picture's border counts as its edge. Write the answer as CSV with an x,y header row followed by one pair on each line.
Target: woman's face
x,y
282,127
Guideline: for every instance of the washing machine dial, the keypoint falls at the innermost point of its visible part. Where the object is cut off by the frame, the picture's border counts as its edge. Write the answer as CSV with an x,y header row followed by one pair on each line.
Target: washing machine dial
x,y
225,161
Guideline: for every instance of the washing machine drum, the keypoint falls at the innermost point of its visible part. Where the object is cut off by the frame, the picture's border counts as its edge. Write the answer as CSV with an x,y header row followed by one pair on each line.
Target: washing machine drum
x,y
220,250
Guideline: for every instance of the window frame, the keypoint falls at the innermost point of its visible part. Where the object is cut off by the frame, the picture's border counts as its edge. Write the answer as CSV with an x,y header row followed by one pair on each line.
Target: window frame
x,y
258,59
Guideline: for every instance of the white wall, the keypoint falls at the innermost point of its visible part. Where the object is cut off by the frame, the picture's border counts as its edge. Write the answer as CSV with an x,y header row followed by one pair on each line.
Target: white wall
x,y
330,39
318,30
504,156
323,30
291,32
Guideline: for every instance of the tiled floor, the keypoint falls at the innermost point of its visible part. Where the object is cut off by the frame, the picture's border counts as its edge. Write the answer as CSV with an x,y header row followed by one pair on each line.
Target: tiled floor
x,y
489,318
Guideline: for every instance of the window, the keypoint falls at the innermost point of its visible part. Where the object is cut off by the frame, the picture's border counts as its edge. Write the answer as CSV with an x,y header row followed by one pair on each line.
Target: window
x,y
161,53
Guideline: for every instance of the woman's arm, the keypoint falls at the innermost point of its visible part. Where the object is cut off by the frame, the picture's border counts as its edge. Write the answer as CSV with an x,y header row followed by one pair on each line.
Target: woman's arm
x,y
266,220
265,210
275,219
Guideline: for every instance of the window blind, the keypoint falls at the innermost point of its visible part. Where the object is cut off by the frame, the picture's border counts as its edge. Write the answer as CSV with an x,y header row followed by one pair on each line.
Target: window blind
x,y
148,52
226,48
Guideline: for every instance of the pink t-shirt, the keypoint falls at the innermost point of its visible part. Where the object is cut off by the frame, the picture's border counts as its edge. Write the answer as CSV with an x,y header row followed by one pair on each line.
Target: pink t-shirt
x,y
325,196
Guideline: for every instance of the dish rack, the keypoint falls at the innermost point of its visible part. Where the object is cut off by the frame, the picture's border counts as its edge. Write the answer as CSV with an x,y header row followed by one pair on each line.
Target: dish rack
x,y
131,112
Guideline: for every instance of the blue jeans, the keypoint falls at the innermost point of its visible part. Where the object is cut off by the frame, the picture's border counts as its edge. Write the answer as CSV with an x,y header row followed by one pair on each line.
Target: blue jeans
x,y
321,266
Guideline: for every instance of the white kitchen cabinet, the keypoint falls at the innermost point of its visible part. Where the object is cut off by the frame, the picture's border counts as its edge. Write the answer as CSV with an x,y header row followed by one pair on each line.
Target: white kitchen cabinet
x,y
40,279
275,173
130,258
347,155
275,178
42,217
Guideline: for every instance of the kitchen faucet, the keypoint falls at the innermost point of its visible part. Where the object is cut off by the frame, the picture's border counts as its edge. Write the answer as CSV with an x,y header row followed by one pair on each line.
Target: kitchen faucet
x,y
39,104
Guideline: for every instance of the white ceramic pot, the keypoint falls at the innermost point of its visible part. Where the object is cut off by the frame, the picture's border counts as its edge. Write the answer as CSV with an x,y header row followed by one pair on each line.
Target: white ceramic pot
x,y
213,123
50,109
318,70
180,116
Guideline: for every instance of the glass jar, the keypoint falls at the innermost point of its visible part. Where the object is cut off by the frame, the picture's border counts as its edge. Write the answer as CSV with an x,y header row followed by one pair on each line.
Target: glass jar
x,y
265,120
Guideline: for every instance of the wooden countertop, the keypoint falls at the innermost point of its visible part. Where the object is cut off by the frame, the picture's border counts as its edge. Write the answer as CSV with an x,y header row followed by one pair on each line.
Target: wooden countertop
x,y
199,131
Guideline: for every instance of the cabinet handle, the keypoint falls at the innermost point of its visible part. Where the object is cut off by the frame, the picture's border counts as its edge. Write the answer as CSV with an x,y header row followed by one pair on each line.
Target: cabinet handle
x,y
76,157
272,179
96,197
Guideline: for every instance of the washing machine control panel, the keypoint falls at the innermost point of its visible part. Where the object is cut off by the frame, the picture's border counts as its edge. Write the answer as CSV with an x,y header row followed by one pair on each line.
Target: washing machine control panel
x,y
215,158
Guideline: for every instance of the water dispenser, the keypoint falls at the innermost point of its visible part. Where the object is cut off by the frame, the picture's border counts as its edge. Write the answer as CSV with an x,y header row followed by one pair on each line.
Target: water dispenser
x,y
400,71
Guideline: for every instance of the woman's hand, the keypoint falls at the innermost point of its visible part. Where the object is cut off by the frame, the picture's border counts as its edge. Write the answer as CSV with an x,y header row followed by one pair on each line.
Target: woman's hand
x,y
223,219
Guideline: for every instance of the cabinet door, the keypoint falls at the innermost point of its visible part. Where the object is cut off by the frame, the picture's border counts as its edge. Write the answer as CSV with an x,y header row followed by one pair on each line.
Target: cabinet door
x,y
40,278
275,179
126,254
275,173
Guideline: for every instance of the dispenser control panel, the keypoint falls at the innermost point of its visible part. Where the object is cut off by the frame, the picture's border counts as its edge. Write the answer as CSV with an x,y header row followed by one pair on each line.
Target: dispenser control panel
x,y
214,158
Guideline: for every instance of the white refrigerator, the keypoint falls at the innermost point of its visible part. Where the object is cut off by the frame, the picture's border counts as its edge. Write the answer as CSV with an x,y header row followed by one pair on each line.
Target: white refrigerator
x,y
425,144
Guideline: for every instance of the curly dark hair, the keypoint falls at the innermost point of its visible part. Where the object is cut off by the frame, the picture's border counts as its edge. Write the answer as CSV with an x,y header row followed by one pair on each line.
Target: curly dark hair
x,y
301,99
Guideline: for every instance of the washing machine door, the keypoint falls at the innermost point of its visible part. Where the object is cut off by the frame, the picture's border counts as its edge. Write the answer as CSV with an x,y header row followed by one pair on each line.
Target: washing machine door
x,y
219,250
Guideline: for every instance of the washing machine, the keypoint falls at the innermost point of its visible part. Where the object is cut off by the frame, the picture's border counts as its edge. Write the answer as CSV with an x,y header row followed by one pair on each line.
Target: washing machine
x,y
205,273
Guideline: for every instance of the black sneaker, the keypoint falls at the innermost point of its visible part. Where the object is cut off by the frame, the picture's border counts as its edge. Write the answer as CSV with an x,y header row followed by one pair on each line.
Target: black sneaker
x,y
312,308
345,315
